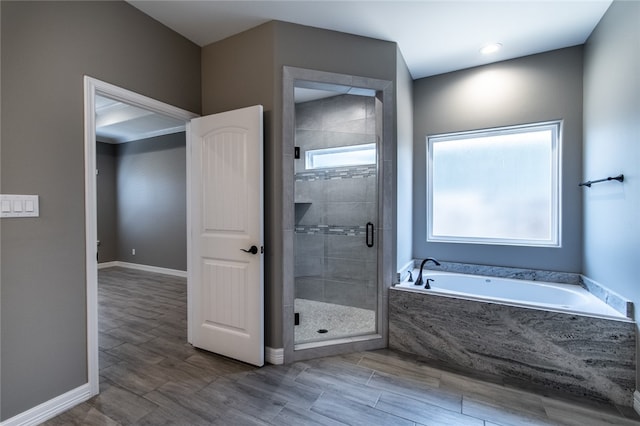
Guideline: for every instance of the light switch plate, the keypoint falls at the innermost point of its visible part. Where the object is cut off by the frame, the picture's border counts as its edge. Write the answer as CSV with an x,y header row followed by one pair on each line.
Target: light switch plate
x,y
19,205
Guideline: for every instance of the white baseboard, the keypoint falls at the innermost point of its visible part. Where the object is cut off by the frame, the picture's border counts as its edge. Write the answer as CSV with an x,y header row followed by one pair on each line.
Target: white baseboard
x,y
104,265
148,268
636,401
49,409
274,356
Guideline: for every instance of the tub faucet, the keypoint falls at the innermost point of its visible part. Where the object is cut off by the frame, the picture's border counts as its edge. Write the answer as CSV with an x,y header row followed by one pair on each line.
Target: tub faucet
x,y
419,280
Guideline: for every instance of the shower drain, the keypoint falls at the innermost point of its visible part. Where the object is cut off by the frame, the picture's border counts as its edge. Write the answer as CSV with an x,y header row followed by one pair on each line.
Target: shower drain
x,y
322,331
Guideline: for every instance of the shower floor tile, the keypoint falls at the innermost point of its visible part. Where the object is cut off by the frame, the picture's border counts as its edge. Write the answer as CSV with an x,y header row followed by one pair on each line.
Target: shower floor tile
x,y
339,321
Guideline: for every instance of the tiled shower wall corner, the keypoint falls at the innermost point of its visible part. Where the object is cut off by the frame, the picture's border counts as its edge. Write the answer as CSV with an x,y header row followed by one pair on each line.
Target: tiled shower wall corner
x,y
332,262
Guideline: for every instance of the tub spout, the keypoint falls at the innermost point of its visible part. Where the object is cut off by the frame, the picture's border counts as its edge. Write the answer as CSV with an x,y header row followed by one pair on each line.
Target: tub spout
x,y
419,280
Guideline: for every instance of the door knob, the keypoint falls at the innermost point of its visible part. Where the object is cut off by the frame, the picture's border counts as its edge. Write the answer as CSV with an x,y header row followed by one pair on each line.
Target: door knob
x,y
252,250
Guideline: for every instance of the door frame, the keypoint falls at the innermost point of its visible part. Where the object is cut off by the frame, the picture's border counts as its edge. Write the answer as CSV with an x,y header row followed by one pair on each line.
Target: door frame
x,y
384,105
93,87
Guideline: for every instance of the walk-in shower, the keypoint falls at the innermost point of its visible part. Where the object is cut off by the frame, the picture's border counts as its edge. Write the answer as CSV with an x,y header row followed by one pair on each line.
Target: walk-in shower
x,y
338,131
336,209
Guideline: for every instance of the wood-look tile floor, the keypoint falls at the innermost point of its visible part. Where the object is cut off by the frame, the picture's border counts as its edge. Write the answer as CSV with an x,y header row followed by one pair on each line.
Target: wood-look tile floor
x,y
150,375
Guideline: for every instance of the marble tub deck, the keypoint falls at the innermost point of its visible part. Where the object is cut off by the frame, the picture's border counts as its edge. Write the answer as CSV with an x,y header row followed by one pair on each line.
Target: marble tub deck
x,y
611,298
556,353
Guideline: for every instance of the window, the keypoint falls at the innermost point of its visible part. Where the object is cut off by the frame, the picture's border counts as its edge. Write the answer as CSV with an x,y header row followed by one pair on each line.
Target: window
x,y
495,186
353,155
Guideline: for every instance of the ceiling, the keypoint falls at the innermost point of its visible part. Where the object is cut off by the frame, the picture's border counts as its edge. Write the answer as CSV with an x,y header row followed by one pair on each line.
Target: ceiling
x,y
434,37
117,122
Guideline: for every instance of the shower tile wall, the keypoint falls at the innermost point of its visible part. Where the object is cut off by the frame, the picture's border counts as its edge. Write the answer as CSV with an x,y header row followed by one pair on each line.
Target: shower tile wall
x,y
332,262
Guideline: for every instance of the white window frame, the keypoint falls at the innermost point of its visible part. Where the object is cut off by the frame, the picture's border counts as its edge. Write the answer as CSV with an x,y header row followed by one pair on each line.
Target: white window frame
x,y
556,196
345,150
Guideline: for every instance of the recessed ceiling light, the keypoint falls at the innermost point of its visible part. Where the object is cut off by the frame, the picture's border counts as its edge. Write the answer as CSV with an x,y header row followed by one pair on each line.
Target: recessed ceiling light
x,y
491,48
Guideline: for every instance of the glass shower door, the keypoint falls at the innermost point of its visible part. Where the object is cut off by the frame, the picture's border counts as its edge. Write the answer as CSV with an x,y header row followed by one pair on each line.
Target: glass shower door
x,y
336,209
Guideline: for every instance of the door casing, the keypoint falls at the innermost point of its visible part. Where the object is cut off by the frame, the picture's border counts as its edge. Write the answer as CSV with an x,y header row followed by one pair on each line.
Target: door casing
x,y
92,87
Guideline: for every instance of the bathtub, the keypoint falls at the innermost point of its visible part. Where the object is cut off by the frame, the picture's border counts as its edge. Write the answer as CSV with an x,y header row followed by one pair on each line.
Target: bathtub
x,y
555,339
533,294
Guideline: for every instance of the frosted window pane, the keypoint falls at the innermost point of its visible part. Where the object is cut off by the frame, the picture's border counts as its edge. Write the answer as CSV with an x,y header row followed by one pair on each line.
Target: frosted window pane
x,y
354,155
494,187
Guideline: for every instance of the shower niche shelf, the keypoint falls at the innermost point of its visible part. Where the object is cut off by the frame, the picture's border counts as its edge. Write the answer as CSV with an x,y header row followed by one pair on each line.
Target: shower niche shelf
x,y
301,208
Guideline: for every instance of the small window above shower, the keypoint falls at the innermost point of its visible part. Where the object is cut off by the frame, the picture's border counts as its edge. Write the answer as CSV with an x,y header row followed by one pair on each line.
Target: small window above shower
x,y
343,156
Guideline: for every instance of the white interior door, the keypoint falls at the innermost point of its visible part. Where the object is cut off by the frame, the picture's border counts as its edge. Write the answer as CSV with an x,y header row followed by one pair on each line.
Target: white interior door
x,y
226,245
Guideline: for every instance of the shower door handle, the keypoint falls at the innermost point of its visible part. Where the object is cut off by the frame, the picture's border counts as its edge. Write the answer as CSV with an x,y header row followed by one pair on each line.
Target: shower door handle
x,y
369,234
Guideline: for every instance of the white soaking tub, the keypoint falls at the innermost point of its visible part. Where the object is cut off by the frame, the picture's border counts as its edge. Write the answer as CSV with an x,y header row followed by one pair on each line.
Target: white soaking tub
x,y
536,294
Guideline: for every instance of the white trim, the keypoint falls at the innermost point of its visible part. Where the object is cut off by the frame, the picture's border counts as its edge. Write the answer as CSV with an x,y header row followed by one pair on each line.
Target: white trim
x,y
91,88
49,409
636,401
274,356
91,233
140,267
190,267
105,265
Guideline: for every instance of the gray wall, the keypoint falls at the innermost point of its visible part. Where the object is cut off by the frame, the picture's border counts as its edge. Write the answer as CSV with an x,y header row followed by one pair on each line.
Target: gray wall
x,y
535,88
152,202
332,206
106,201
47,48
246,69
611,146
142,202
404,192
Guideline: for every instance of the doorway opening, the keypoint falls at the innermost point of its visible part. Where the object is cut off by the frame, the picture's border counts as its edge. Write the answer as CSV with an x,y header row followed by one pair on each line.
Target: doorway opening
x,y
141,188
100,93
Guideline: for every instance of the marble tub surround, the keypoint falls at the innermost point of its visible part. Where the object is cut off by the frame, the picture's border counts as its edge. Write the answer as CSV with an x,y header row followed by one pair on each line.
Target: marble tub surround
x,y
503,272
550,352
608,296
